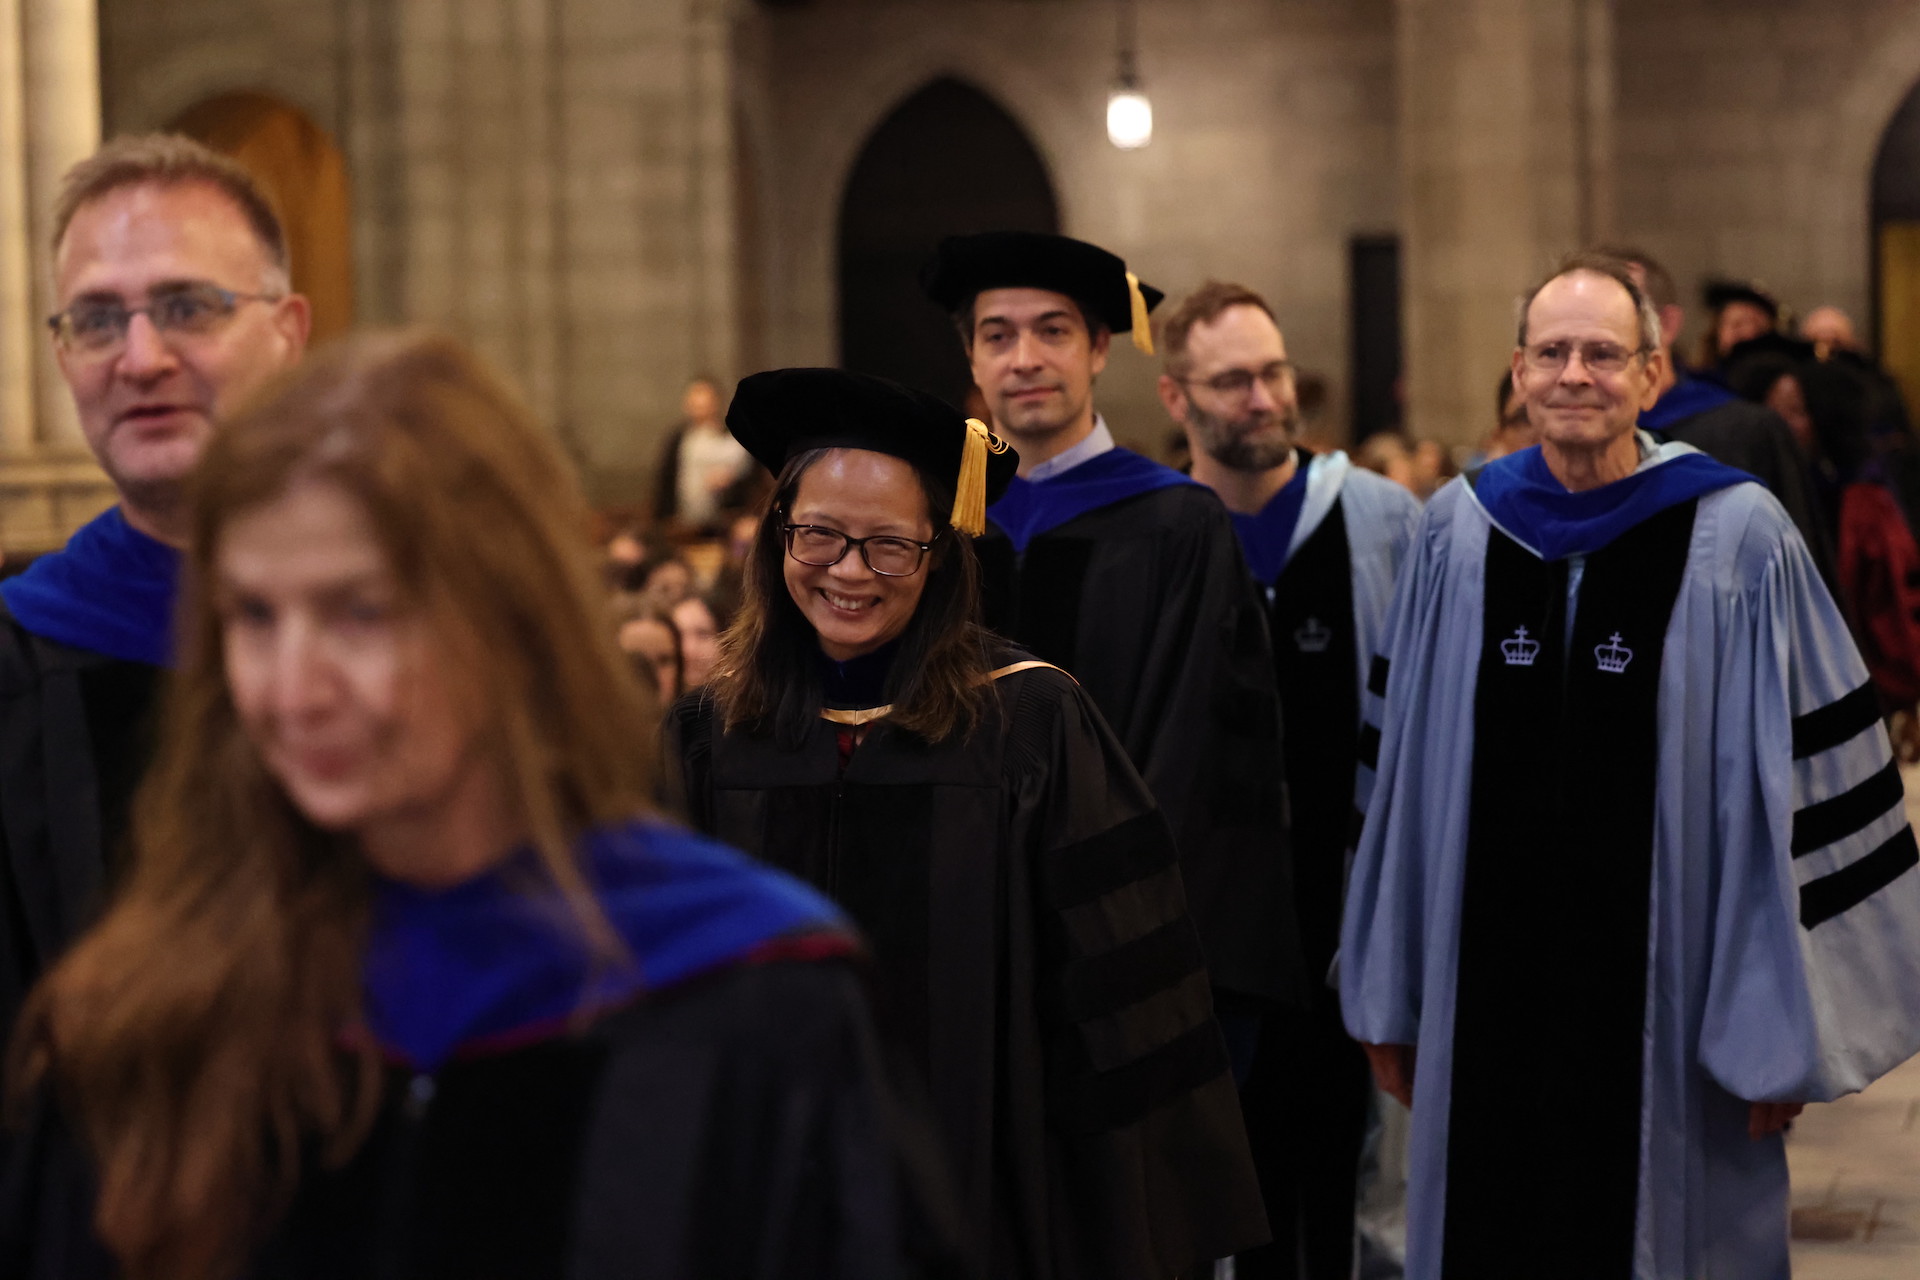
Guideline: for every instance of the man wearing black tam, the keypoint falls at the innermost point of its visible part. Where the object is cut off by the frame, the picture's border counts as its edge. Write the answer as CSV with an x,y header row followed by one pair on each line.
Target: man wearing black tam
x,y
969,808
1128,574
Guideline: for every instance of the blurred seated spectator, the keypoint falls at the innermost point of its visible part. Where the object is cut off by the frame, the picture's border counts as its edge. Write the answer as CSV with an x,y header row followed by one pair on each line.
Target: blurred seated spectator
x,y
1433,466
1829,329
704,476
700,620
730,583
627,546
649,637
1388,453
1512,429
662,581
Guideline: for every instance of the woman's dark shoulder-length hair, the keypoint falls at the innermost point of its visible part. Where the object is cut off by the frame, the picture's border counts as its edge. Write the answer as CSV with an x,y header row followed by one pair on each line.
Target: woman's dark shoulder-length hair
x,y
767,678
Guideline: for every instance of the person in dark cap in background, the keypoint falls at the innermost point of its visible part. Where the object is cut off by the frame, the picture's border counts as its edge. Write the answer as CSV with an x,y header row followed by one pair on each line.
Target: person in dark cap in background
x,y
1737,312
1719,423
969,808
1129,575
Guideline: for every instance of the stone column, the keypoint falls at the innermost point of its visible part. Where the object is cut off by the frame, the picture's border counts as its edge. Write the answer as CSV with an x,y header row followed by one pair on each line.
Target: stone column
x,y
19,334
1505,136
63,127
49,119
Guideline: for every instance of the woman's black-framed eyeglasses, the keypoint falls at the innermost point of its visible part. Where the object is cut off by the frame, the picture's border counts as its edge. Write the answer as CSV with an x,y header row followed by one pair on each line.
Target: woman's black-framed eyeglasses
x,y
885,554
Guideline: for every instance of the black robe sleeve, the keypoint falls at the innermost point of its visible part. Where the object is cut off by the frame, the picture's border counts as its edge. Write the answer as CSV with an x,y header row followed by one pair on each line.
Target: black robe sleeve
x,y
790,1152
1149,1171
737,1127
1758,441
1204,728
47,1201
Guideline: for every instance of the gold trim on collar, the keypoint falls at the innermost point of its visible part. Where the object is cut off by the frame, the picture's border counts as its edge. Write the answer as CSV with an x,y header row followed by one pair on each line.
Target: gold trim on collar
x,y
1029,665
869,714
856,718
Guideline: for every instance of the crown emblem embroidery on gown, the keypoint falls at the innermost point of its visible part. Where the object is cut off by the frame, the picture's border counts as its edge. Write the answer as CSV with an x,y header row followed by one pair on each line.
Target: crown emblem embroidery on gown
x,y
1613,656
1314,637
1520,650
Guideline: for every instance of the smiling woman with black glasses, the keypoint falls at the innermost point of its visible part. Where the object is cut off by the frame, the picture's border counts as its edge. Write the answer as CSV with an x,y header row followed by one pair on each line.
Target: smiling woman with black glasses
x,y
972,812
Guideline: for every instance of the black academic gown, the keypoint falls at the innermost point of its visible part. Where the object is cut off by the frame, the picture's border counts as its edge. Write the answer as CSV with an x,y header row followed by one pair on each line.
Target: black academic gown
x,y
730,1128
75,736
1148,603
1756,440
1035,959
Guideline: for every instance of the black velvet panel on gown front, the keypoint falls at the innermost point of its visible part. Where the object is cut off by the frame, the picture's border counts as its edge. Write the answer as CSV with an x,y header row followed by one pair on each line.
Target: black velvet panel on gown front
x,y
1035,961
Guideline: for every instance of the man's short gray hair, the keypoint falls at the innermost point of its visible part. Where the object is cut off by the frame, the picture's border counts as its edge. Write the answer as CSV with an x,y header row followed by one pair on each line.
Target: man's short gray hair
x,y
1600,264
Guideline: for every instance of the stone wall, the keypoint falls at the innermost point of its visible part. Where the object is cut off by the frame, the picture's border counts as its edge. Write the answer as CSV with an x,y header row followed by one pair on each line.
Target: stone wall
x,y
558,179
1273,146
1747,133
551,179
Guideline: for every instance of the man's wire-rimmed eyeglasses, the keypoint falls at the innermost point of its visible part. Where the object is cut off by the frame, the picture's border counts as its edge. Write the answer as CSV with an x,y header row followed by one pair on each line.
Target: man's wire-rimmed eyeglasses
x,y
1235,383
1595,357
98,326
885,554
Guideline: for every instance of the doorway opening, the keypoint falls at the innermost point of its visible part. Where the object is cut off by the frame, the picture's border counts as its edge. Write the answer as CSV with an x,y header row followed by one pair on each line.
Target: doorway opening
x,y
305,175
947,161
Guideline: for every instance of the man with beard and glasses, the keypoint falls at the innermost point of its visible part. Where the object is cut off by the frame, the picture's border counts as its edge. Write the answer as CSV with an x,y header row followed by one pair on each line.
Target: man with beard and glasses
x,y
1324,540
1127,574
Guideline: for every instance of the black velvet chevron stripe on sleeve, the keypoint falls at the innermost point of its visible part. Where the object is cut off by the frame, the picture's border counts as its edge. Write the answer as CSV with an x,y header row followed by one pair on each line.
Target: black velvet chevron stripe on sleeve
x,y
1118,856
1369,753
1829,726
1377,676
1823,899
1830,821
1104,984
1130,1020
1091,1104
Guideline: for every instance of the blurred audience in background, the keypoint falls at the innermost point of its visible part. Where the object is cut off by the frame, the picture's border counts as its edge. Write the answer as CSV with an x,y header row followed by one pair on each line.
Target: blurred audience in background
x,y
704,478
1738,311
1388,453
1512,429
648,636
700,620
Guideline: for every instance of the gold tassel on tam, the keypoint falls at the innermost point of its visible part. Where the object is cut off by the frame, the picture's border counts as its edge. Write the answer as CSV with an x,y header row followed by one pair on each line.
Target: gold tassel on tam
x,y
970,491
1142,326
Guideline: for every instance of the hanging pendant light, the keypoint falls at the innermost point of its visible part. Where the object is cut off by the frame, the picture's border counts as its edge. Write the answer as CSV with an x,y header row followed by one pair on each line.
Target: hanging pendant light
x,y
1129,111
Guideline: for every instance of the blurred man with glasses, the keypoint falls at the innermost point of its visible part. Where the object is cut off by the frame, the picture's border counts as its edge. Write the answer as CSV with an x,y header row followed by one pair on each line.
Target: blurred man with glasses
x,y
1324,540
1635,879
170,267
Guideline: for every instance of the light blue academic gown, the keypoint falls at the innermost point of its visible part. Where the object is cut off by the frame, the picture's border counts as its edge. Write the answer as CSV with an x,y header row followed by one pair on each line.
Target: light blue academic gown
x,y
1777,972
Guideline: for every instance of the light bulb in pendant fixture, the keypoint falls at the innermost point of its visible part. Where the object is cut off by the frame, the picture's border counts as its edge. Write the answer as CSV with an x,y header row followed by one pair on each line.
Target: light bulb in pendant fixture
x,y
1129,111
1129,117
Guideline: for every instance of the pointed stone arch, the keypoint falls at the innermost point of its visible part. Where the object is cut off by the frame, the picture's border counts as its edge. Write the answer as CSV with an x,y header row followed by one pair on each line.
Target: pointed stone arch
x,y
305,175
948,160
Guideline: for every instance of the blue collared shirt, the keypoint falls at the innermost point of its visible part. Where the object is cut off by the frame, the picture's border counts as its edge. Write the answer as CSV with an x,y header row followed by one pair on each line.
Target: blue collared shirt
x,y
1098,441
